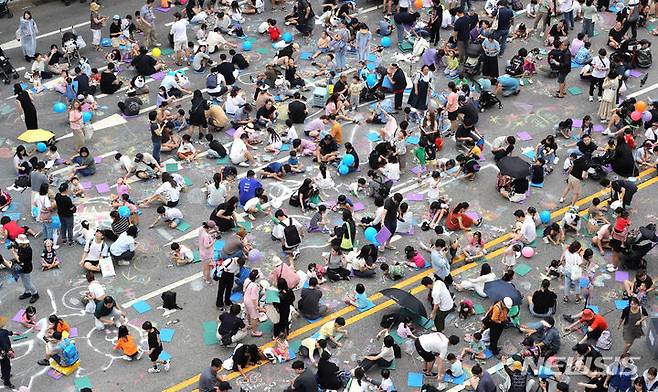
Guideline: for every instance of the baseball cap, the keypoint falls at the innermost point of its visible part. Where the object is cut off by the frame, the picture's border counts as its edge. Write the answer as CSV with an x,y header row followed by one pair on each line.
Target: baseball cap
x,y
116,17
517,365
508,302
587,314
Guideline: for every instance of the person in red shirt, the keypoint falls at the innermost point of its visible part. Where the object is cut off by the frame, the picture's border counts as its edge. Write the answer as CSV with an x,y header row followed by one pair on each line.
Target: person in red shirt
x,y
273,30
11,229
595,323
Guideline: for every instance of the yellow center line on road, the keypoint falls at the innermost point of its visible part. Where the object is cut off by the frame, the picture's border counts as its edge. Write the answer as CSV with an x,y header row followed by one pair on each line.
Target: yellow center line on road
x,y
407,282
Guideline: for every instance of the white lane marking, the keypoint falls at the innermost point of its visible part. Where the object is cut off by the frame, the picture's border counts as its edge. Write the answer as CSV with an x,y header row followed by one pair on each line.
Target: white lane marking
x,y
107,122
13,44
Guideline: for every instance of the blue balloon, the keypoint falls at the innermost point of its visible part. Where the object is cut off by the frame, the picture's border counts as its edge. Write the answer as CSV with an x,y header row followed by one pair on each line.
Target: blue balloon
x,y
348,160
343,170
55,222
86,116
545,216
124,211
59,107
41,147
287,37
386,42
106,42
370,234
246,45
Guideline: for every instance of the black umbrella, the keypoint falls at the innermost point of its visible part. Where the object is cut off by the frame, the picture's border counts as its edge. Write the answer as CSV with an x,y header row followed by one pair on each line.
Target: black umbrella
x,y
499,289
406,300
514,167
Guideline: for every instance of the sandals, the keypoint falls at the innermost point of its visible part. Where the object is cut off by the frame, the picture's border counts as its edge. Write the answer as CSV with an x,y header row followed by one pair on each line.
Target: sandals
x,y
565,299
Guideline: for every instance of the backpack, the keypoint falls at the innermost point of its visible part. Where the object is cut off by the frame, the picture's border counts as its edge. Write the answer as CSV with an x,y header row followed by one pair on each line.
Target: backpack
x,y
644,58
169,300
211,81
517,5
291,235
22,182
397,351
69,353
605,341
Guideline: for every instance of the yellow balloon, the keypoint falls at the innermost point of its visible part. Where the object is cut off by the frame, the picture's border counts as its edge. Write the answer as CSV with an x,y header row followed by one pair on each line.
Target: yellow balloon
x,y
156,52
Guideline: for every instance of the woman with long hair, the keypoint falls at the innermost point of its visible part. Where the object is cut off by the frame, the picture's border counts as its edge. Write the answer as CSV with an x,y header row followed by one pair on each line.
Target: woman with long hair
x,y
75,122
286,300
26,106
225,215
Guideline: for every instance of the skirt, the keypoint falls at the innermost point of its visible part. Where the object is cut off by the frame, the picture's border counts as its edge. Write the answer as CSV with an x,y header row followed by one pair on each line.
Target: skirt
x,y
490,66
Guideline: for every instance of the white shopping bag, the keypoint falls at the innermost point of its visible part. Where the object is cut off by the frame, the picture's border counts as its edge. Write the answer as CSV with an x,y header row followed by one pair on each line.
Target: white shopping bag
x,y
107,267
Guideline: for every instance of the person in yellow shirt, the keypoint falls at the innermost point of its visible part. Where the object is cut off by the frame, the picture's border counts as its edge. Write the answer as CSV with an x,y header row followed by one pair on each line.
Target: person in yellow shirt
x,y
336,130
126,343
495,320
329,330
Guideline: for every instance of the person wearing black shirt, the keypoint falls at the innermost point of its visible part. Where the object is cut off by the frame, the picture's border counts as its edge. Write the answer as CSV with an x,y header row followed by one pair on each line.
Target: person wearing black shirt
x,y
297,110
83,82
115,30
340,87
616,36
469,111
144,64
577,173
65,211
155,347
22,253
328,373
304,381
109,82
461,33
6,353
156,135
505,17
226,68
586,146
591,358
238,59
231,327
620,190
564,67
399,82
543,301
327,149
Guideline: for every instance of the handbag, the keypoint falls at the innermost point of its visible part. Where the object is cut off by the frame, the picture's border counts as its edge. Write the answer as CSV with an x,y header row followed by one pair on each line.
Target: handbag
x,y
45,215
107,267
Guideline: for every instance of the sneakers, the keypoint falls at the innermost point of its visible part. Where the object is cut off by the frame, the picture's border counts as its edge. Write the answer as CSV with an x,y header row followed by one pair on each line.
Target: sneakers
x,y
123,263
126,358
140,354
25,296
153,370
167,365
561,200
591,99
43,362
441,386
34,298
606,131
600,99
55,246
243,164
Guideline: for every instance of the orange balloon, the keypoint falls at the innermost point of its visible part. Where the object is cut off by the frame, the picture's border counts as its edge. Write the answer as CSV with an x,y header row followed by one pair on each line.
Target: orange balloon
x,y
418,3
641,106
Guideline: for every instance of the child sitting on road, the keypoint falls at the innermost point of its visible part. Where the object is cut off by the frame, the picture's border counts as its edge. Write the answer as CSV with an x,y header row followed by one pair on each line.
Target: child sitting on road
x,y
126,343
414,259
393,272
475,348
49,259
181,254
29,318
359,299
455,370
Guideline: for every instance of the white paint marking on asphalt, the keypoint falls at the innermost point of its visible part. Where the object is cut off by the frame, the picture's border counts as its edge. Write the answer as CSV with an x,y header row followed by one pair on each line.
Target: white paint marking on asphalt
x,y
643,91
107,122
13,44
161,290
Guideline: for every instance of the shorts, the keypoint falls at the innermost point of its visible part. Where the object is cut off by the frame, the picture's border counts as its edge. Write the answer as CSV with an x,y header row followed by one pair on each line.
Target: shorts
x,y
615,244
562,77
180,45
595,334
452,116
576,184
177,221
426,355
172,204
155,354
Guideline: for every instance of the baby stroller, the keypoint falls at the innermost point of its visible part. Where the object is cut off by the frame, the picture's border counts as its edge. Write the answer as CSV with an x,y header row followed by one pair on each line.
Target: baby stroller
x,y
4,9
639,242
487,99
471,66
71,45
7,71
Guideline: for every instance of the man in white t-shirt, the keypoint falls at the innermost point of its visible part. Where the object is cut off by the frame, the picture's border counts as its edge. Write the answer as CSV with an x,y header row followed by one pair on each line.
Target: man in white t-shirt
x,y
527,232
442,302
432,347
179,31
240,151
600,68
170,215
